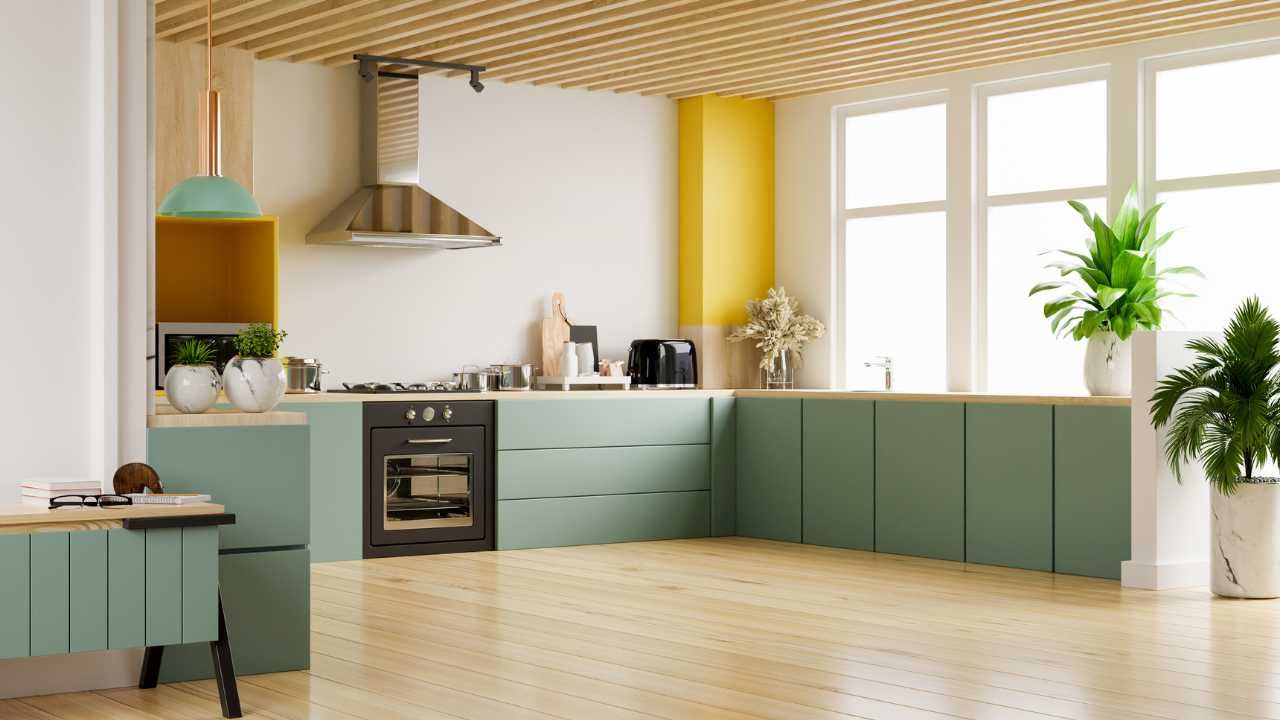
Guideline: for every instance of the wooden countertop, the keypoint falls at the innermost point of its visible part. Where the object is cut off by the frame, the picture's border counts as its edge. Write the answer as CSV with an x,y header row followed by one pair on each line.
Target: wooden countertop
x,y
1086,400
167,417
29,518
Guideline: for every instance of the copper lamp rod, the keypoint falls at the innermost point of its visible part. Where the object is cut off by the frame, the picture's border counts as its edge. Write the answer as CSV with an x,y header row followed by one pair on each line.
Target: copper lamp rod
x,y
210,113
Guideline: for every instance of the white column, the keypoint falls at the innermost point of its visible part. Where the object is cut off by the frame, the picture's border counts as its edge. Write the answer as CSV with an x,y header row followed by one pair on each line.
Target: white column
x,y
1169,533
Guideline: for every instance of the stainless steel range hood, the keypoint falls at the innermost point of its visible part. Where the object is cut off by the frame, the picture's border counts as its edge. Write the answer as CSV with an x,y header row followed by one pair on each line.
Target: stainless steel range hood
x,y
391,210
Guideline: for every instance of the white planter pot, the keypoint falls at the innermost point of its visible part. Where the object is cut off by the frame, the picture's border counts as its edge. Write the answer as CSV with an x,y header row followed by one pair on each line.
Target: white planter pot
x,y
191,389
1245,532
1108,361
254,384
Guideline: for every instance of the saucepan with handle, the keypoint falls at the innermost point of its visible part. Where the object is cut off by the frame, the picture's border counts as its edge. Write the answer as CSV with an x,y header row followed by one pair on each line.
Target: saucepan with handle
x,y
514,377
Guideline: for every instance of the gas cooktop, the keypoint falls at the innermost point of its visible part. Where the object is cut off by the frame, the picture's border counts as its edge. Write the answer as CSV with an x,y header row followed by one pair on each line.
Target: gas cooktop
x,y
379,388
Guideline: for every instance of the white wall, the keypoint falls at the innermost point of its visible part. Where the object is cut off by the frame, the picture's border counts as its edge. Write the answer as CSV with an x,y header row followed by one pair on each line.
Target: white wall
x,y
805,178
581,186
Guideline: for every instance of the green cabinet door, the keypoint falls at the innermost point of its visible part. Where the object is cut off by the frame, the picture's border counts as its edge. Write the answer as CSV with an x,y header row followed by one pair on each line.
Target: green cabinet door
x,y
1009,485
920,479
267,601
839,473
535,423
769,468
724,461
336,477
1091,490
598,519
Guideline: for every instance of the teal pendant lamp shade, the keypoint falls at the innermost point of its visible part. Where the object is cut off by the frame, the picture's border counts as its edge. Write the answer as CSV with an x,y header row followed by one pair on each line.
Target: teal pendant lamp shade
x,y
210,196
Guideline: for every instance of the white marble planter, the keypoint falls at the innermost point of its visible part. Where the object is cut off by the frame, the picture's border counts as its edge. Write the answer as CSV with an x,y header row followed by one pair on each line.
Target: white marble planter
x,y
1108,364
1245,532
191,389
254,384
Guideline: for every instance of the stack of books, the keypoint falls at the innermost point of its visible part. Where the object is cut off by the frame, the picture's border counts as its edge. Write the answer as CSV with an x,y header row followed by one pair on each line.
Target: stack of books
x,y
38,491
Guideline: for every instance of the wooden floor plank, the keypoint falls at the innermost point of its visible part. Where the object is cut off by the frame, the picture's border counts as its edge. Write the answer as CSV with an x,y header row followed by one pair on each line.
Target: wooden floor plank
x,y
738,629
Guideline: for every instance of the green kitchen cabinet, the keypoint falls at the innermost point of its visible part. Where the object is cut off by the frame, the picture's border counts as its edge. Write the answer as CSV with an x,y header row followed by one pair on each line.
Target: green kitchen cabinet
x,y
920,479
597,519
267,602
1009,485
769,468
569,472
260,473
724,462
337,450
1091,490
530,424
839,473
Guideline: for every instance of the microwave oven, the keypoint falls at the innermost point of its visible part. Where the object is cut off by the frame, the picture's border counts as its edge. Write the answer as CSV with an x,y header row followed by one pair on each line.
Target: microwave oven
x,y
170,335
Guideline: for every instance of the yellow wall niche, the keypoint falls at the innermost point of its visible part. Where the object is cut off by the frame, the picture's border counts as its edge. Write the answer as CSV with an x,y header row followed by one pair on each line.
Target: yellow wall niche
x,y
217,270
726,220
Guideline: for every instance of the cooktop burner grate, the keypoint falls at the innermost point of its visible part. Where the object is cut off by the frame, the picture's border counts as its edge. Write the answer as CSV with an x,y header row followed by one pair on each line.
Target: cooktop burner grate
x,y
378,388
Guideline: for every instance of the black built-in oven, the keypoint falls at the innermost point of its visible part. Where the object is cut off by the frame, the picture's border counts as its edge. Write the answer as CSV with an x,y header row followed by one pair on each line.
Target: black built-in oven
x,y
428,485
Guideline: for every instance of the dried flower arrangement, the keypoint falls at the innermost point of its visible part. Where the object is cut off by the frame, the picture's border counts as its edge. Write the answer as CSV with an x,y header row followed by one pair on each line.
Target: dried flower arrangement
x,y
777,326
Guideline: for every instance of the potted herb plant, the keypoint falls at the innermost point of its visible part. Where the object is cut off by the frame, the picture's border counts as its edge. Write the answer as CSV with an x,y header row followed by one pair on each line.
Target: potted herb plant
x,y
1111,290
1224,411
780,332
254,379
191,385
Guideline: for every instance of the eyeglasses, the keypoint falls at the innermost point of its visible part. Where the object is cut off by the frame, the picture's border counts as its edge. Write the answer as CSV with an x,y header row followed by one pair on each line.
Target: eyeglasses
x,y
89,501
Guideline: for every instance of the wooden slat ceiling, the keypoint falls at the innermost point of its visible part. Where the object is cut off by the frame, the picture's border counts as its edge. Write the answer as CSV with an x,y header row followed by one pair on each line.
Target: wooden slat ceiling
x,y
680,48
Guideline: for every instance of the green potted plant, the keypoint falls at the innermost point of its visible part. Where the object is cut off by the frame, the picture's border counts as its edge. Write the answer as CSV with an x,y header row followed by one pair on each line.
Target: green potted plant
x,y
255,379
1223,410
191,385
780,332
1111,290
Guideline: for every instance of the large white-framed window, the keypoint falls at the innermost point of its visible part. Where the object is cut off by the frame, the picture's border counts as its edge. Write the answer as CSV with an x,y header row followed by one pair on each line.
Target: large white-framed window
x,y
1040,142
891,227
1211,154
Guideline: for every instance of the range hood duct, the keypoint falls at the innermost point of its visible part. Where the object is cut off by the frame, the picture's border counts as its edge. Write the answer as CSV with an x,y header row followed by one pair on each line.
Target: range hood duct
x,y
391,209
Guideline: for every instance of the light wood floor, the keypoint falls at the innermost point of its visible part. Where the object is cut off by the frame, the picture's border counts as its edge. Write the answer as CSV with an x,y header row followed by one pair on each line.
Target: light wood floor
x,y
734,628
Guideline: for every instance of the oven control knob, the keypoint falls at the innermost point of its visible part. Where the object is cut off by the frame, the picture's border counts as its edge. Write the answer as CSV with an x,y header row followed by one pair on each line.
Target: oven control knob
x,y
428,414
410,414
447,414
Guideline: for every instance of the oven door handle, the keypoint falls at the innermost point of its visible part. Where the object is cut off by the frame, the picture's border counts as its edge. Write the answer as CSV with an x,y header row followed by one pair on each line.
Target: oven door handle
x,y
430,441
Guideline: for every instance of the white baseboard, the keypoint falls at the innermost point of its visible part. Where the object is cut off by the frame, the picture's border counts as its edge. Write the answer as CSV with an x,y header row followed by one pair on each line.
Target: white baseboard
x,y
69,673
1165,576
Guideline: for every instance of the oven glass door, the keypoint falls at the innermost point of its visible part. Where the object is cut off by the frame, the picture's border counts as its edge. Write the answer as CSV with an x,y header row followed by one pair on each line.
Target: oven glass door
x,y
427,484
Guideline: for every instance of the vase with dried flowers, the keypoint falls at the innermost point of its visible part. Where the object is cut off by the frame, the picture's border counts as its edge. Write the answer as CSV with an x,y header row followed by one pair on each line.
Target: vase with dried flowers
x,y
780,332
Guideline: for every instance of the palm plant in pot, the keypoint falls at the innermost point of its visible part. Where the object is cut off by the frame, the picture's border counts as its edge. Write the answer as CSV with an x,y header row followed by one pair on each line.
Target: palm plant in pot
x,y
255,379
1224,411
191,385
1111,290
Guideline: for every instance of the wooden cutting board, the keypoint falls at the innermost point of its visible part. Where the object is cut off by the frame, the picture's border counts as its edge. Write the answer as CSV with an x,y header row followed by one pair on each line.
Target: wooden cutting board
x,y
555,333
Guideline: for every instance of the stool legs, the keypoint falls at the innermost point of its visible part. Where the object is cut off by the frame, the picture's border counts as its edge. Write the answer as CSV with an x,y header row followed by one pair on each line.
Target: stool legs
x,y
224,671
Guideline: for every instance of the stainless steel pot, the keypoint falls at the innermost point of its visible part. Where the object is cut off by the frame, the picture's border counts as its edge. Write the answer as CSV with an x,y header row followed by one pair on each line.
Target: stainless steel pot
x,y
514,377
302,374
473,379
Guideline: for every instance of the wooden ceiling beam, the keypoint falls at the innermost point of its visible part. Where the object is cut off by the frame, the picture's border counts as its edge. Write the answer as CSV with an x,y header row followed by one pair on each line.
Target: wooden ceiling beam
x,y
174,8
322,13
488,15
959,34
1267,10
771,22
266,15
196,17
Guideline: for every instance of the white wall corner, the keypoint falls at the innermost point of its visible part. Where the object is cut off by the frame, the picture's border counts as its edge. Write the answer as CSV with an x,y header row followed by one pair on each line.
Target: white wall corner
x,y
1169,532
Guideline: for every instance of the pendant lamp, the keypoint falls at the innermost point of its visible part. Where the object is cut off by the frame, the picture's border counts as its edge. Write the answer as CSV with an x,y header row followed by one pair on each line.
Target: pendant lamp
x,y
209,195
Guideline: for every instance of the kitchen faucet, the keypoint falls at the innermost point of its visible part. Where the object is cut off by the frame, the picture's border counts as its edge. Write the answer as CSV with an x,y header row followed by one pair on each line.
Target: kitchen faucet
x,y
886,362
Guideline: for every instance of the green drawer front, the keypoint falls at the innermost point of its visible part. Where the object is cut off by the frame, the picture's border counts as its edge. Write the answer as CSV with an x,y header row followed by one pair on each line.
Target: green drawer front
x,y
199,584
267,600
920,479
571,472
336,452
839,473
126,588
50,593
15,596
591,520
603,422
724,463
256,472
1009,485
88,590
1091,490
164,586
769,468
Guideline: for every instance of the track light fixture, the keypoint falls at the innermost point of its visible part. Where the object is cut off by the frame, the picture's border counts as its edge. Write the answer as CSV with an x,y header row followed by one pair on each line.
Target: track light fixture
x,y
475,81
368,62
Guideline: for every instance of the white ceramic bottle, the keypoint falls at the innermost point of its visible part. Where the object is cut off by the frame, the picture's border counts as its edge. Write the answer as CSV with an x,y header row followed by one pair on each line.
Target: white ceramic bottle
x,y
568,360
586,359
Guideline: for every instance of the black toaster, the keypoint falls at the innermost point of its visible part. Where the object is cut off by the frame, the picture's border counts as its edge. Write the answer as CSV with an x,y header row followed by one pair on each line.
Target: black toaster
x,y
665,364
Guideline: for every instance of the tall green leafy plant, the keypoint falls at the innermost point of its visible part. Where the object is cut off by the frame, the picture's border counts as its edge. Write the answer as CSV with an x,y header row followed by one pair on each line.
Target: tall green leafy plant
x,y
1114,285
1224,409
